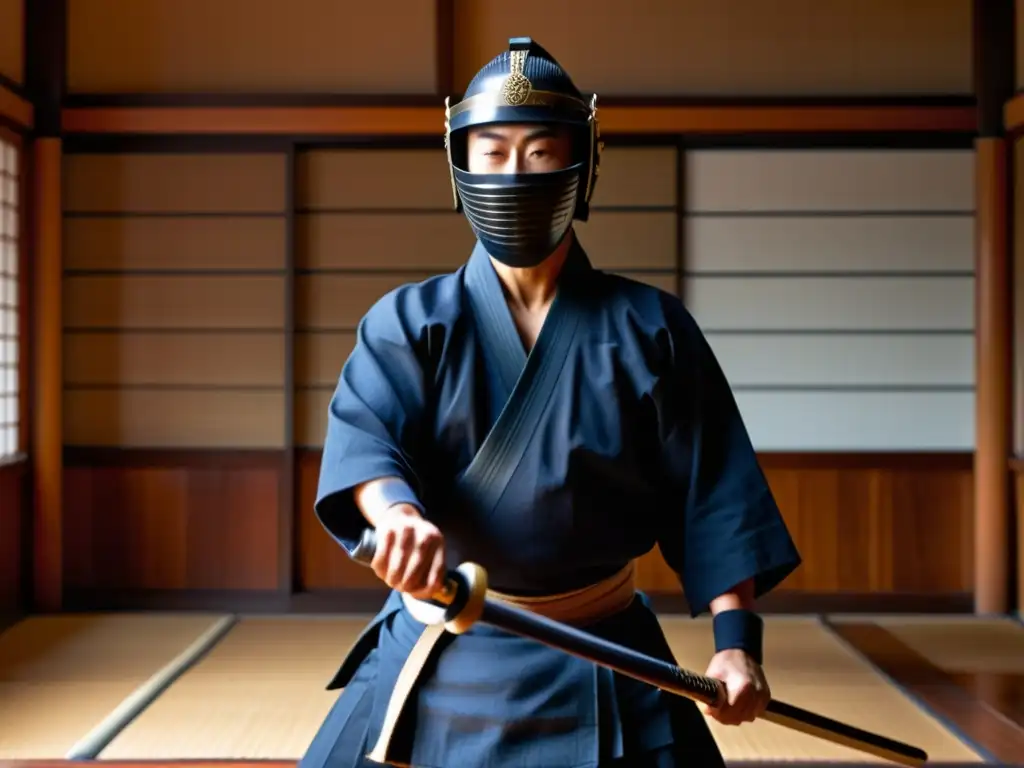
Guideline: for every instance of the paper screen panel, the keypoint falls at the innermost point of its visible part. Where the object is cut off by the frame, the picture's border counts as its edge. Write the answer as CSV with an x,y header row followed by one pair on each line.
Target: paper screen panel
x,y
206,359
841,280
175,183
118,243
140,418
174,300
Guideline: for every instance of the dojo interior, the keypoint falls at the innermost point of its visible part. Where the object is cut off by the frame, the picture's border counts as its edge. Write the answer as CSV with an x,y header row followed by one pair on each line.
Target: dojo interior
x,y
200,200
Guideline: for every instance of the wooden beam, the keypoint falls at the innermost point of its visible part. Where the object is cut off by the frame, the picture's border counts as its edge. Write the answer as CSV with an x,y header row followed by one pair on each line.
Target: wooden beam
x,y
372,121
993,76
15,110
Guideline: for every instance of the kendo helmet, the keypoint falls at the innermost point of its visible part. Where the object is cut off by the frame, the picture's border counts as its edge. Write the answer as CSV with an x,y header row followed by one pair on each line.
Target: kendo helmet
x,y
521,218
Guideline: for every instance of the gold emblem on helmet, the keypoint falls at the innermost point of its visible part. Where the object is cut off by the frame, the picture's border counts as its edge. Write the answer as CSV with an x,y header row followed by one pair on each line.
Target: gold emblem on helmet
x,y
517,86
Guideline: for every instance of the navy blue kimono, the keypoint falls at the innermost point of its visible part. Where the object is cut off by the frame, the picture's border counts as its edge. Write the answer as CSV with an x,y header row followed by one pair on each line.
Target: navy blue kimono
x,y
552,469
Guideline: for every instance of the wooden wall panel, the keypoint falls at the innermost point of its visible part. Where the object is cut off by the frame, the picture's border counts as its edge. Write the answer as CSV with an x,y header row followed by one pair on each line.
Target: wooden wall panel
x,y
823,279
13,489
320,46
348,206
1019,18
733,47
175,297
1017,225
876,525
147,521
1017,543
12,40
322,564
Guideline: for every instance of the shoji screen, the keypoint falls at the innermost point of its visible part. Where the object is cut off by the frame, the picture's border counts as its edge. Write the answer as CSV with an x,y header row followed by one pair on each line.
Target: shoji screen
x,y
174,300
10,292
836,287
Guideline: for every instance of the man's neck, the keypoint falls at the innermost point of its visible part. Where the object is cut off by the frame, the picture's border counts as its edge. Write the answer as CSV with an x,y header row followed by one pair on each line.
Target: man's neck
x,y
533,288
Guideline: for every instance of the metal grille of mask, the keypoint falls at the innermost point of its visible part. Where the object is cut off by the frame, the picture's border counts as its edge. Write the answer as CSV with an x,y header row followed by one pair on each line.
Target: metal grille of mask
x,y
522,216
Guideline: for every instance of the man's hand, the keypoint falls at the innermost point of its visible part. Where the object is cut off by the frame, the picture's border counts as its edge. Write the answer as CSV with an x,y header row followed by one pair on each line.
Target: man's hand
x,y
410,552
745,684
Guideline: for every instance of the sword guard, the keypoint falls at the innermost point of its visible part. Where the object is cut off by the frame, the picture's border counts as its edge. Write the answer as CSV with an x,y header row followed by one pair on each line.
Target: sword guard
x,y
459,603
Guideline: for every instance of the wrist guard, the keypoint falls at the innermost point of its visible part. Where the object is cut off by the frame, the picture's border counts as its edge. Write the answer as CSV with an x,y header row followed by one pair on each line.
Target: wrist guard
x,y
740,629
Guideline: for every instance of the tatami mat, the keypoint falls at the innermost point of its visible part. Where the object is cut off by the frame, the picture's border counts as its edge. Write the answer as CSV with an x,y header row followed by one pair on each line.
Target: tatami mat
x,y
807,666
61,676
962,643
260,693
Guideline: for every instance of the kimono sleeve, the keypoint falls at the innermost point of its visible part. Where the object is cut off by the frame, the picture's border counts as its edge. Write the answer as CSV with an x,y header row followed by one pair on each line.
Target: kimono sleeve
x,y
722,525
375,414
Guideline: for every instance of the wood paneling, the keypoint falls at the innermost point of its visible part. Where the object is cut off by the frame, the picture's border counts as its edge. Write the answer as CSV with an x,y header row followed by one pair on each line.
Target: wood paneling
x,y
1017,467
1019,34
12,40
147,520
15,110
180,46
322,564
864,524
13,500
732,47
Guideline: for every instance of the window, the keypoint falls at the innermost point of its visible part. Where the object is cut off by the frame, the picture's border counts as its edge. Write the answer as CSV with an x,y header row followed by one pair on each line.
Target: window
x,y
9,335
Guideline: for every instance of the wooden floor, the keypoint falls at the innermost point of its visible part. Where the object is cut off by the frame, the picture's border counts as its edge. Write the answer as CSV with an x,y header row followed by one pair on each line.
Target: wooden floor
x,y
984,708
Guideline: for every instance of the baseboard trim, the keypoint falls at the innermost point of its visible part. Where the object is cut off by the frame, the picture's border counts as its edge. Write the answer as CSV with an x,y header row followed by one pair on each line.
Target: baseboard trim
x,y
370,600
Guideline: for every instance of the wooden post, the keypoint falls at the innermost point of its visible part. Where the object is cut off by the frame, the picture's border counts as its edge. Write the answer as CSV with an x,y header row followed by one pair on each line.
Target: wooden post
x,y
994,74
45,80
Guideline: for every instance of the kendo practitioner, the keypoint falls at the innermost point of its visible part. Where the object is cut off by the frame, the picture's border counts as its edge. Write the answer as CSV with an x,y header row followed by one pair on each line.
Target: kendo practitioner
x,y
552,423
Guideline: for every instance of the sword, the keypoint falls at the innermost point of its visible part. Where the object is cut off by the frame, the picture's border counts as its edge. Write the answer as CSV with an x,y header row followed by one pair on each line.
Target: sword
x,y
463,601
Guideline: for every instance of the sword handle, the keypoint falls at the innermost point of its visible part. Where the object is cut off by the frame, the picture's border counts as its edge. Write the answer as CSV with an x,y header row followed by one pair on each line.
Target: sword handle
x,y
462,595
706,689
366,548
